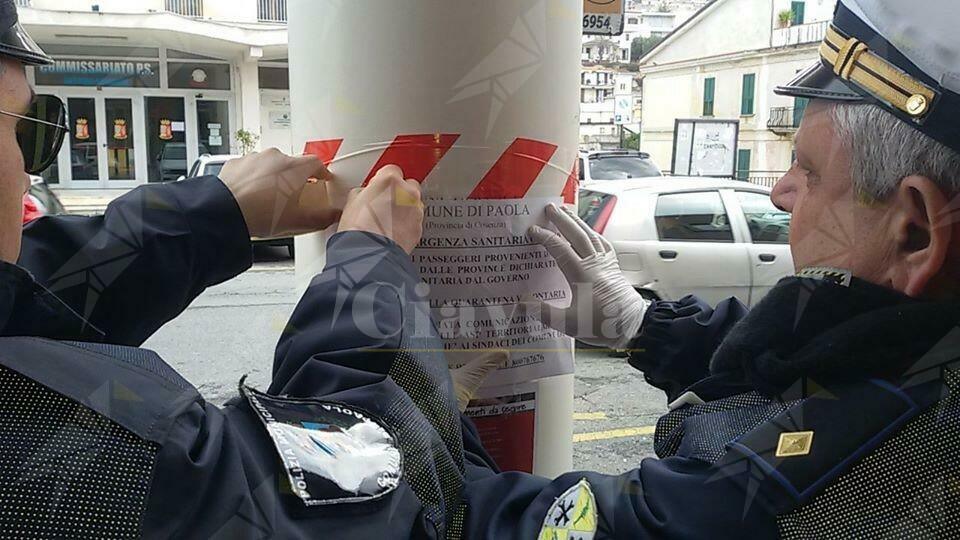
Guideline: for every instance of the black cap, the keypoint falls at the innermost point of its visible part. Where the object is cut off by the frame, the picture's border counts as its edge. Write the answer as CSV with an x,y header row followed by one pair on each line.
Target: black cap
x,y
892,57
14,41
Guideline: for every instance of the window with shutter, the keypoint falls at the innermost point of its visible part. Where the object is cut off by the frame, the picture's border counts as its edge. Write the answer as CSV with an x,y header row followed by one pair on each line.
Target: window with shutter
x,y
797,11
709,88
743,164
749,91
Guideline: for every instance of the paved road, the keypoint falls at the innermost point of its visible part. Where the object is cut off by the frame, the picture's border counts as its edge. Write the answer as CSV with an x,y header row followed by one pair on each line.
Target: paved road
x,y
231,331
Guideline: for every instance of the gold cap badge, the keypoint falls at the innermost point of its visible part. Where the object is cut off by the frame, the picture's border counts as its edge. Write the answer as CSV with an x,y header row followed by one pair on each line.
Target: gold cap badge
x,y
795,444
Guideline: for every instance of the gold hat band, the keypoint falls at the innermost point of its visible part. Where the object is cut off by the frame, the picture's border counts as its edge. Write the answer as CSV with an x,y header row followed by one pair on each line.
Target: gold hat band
x,y
852,61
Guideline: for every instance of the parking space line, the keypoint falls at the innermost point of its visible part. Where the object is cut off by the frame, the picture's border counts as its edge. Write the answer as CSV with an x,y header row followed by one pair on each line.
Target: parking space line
x,y
613,434
264,269
589,416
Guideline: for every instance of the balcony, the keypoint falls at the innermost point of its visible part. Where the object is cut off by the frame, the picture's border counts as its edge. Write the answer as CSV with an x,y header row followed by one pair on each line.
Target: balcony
x,y
187,8
765,178
599,107
274,11
589,83
606,141
784,120
799,34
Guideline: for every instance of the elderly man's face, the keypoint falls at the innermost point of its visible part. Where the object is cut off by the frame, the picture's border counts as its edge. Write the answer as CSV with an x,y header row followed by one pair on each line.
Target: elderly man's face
x,y
830,226
15,97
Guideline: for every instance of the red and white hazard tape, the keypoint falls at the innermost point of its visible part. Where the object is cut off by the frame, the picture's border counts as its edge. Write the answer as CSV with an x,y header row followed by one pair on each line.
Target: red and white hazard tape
x,y
511,177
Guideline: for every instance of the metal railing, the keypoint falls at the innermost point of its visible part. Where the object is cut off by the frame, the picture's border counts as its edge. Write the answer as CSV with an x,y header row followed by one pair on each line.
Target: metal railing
x,y
272,10
187,8
765,178
597,84
784,120
799,34
24,3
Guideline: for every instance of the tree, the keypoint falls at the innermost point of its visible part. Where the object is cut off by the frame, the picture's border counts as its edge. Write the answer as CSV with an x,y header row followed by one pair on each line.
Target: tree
x,y
247,141
642,46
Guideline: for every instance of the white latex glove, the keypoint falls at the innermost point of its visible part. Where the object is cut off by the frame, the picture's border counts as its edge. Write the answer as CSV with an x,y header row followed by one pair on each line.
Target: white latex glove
x,y
605,310
468,378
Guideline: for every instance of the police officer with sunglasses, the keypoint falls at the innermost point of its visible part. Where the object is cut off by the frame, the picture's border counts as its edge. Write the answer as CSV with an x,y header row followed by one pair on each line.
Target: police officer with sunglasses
x,y
101,439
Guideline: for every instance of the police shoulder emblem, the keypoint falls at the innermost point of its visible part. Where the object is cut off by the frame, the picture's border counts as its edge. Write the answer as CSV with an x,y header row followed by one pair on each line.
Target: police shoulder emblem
x,y
573,516
332,453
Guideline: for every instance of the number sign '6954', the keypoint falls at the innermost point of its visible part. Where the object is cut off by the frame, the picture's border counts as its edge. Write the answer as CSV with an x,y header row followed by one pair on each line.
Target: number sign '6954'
x,y
603,17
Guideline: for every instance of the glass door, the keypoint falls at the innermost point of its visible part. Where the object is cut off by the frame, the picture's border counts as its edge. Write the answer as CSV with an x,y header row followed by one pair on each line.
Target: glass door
x,y
84,158
213,127
166,138
121,159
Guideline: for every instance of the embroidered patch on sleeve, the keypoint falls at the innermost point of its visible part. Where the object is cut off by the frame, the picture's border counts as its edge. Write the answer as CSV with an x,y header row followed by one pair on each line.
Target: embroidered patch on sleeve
x,y
573,516
332,453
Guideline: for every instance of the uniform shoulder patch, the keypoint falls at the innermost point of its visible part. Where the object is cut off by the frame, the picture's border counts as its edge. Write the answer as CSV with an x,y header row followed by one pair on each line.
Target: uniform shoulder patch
x,y
573,516
837,276
332,453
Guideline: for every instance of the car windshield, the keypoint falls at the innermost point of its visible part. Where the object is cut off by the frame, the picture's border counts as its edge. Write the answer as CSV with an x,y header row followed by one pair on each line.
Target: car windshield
x,y
213,169
621,168
175,151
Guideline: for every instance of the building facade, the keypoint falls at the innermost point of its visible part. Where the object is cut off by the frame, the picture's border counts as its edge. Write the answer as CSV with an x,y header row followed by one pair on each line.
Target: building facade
x,y
724,64
611,98
150,85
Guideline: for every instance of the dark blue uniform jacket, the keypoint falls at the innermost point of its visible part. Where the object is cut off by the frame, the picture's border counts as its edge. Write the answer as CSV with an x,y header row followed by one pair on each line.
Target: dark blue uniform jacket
x,y
111,281
853,366
863,374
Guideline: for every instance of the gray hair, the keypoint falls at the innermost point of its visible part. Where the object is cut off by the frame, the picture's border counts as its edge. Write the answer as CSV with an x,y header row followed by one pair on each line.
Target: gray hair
x,y
885,150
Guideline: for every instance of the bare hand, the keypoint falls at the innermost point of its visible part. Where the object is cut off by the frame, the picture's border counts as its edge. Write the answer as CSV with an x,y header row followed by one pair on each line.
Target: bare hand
x,y
389,206
280,195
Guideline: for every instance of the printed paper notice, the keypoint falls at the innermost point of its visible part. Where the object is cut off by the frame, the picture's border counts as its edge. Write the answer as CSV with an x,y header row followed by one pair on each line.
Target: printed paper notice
x,y
506,422
479,263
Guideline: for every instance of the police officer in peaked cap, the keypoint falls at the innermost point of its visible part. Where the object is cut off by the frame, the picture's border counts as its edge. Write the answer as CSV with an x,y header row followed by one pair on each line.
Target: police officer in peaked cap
x,y
832,408
101,439
829,410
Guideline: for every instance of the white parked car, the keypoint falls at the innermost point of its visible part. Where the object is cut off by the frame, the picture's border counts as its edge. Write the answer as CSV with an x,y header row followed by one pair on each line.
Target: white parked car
x,y
679,236
208,165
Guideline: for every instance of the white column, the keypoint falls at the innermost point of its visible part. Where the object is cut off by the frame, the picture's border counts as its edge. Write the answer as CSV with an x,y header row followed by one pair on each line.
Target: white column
x,y
193,130
250,93
493,79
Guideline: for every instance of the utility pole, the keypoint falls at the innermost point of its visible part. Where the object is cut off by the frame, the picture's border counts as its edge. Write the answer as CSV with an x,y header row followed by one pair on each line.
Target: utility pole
x,y
478,101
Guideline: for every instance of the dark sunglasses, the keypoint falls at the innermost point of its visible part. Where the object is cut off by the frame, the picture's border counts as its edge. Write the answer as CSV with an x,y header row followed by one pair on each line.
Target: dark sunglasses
x,y
40,132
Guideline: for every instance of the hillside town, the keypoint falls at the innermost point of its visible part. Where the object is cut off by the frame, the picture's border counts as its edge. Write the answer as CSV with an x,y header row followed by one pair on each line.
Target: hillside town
x,y
679,60
676,59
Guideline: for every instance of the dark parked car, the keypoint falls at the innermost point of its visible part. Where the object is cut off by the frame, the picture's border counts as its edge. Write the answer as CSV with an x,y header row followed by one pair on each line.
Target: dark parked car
x,y
172,160
616,165
209,165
